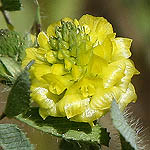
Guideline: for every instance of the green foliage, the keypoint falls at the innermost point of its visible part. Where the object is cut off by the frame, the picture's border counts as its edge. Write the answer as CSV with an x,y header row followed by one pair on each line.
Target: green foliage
x,y
12,51
128,135
18,103
76,145
124,144
11,5
62,127
19,97
12,44
9,69
12,138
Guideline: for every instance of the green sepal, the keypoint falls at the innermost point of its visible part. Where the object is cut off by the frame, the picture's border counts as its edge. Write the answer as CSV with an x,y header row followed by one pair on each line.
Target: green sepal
x,y
11,5
63,127
12,138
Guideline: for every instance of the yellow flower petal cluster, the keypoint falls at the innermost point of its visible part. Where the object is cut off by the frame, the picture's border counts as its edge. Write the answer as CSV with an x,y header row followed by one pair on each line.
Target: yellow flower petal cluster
x,y
80,67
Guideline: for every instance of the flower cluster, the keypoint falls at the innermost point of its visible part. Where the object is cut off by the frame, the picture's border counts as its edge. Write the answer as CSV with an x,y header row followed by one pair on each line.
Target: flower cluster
x,y
80,67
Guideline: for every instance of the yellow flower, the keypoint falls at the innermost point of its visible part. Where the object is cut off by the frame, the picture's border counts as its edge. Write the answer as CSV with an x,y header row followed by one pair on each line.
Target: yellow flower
x,y
80,67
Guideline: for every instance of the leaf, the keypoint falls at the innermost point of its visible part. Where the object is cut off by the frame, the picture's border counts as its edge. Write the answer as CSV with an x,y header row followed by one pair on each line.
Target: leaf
x,y
9,69
76,145
12,51
12,44
12,138
125,145
11,5
62,127
128,135
19,97
3,71
106,137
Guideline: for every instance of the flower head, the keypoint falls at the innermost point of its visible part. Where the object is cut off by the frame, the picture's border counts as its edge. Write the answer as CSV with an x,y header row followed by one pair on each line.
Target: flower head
x,y
80,67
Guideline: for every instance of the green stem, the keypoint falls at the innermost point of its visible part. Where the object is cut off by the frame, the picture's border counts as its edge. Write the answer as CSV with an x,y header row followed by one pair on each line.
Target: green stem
x,y
37,22
8,22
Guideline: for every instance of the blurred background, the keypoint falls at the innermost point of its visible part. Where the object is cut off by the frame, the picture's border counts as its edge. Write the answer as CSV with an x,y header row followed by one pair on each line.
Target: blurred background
x,y
129,19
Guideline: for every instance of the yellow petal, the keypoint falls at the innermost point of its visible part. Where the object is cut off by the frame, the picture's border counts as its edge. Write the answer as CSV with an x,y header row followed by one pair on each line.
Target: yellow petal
x,y
43,40
83,55
42,84
129,71
119,72
71,105
68,64
88,86
33,54
50,56
102,99
58,69
89,115
57,84
76,72
41,51
127,97
38,70
30,55
104,50
113,73
121,48
96,65
99,27
39,95
48,112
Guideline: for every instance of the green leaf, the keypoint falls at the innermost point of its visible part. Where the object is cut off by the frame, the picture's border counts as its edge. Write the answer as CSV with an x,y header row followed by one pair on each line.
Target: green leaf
x,y
9,68
62,127
19,97
12,52
3,72
12,44
76,145
12,138
124,144
106,137
11,5
128,135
